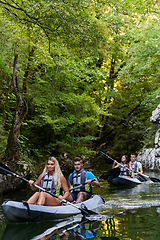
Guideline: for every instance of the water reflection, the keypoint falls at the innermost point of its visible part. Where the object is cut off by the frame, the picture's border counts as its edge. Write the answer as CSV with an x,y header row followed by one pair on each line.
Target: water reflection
x,y
27,231
73,228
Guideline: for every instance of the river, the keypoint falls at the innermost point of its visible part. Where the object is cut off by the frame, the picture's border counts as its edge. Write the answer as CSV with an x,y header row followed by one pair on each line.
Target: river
x,y
134,214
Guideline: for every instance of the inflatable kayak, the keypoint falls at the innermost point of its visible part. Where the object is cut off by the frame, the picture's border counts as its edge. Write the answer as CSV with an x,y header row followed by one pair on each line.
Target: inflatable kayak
x,y
125,181
23,212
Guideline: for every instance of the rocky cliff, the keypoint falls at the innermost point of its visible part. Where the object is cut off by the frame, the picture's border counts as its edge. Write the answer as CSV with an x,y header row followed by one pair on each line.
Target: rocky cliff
x,y
10,182
150,158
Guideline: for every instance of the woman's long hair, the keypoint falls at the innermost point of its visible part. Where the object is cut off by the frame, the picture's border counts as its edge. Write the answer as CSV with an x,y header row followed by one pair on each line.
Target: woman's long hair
x,y
57,173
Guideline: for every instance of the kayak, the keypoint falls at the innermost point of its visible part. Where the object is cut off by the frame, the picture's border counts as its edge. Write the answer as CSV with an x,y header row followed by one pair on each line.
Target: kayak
x,y
122,180
23,212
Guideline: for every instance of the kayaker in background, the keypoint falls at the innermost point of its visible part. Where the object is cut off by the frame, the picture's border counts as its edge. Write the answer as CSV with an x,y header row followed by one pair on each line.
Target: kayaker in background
x,y
136,166
51,180
81,180
125,167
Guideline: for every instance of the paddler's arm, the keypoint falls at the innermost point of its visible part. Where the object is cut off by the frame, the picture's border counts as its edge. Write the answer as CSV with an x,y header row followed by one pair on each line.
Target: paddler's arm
x,y
65,188
91,179
37,182
140,171
114,164
95,182
129,167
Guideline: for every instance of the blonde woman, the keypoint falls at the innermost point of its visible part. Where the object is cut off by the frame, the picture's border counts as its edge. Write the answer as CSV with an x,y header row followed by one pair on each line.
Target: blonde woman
x,y
51,180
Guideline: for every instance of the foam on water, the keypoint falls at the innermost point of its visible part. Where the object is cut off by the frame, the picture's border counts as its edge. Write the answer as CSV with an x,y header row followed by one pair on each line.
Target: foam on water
x,y
130,204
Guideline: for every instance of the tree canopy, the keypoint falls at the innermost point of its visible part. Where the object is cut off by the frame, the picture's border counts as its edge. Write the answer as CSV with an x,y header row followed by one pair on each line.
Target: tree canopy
x,y
88,72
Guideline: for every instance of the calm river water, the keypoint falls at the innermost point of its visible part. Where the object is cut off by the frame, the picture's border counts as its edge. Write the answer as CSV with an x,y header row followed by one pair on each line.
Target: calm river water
x,y
135,214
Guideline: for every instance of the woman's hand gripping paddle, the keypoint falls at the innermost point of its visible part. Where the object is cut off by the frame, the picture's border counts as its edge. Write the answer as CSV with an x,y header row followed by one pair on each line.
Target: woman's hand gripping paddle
x,y
89,214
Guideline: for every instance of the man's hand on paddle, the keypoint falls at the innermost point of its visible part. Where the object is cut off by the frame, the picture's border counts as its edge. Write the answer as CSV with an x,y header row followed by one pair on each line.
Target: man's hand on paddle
x,y
95,182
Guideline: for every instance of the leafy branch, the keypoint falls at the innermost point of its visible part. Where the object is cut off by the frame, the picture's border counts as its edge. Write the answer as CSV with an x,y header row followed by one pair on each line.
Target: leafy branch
x,y
24,20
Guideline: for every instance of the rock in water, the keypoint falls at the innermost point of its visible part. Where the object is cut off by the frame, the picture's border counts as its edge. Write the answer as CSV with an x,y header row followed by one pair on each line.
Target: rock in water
x,y
155,118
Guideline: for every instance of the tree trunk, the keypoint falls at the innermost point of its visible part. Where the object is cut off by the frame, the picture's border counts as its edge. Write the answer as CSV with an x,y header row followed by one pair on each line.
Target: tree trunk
x,y
13,147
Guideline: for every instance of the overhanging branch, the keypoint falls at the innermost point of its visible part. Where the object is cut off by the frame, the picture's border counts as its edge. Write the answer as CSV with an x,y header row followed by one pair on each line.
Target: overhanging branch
x,y
30,19
24,21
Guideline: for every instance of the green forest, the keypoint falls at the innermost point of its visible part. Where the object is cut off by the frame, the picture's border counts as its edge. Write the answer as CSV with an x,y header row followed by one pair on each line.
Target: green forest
x,y
77,77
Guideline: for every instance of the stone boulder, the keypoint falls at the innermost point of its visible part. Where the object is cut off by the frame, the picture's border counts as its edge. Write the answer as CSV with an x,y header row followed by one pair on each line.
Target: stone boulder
x,y
150,158
10,182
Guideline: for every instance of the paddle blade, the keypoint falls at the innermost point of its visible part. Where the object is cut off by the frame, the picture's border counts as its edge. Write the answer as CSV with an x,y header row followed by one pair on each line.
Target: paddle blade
x,y
141,178
154,179
2,169
113,172
107,158
103,153
91,215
